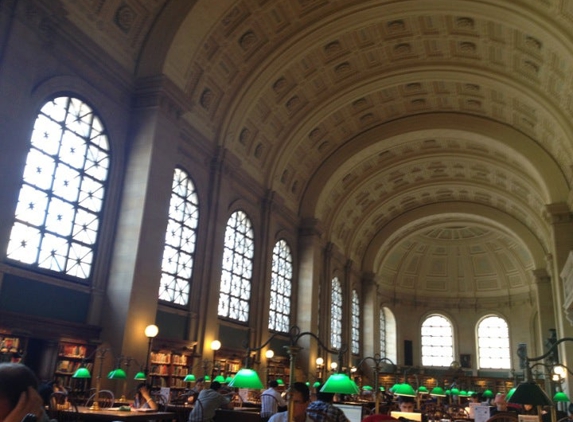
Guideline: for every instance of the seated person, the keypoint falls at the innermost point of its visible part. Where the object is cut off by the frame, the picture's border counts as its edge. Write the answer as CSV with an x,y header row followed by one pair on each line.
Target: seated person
x,y
18,395
207,403
143,398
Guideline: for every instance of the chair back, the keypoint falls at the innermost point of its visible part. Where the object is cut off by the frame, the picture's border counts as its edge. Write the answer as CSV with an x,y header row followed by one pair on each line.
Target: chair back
x,y
105,399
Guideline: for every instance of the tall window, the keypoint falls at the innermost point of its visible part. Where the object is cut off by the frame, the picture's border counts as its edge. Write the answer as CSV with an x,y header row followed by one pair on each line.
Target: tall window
x,y
281,287
61,199
180,240
493,343
437,341
237,272
383,348
335,314
355,323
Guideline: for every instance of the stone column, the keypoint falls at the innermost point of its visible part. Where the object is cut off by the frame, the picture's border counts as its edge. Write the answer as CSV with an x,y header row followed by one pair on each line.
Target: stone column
x,y
370,321
309,306
130,299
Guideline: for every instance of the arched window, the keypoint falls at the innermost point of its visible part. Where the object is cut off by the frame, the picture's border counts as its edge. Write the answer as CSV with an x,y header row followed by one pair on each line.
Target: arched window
x,y
180,240
355,323
237,272
335,314
281,288
493,343
437,341
63,189
388,334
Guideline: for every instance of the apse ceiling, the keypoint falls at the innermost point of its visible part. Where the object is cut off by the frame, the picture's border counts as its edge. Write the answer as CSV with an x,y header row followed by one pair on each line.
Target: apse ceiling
x,y
371,116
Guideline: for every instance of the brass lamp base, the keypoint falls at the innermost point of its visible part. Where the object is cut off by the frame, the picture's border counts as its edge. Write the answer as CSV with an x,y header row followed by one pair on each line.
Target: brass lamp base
x,y
94,406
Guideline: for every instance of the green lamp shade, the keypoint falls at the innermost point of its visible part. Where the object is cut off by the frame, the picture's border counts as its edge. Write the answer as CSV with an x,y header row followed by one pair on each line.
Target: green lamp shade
x,y
382,389
189,378
530,393
455,392
422,390
488,394
219,378
82,372
438,392
316,384
404,389
280,382
207,378
393,388
228,379
367,388
140,376
340,383
560,396
463,393
307,384
117,374
246,378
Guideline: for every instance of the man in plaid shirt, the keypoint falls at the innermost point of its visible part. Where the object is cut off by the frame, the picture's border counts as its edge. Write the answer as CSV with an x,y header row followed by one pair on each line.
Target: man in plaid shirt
x,y
322,410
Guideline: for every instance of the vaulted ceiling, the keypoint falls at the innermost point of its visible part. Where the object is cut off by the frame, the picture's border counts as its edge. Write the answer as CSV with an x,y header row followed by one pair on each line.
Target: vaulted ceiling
x,y
432,139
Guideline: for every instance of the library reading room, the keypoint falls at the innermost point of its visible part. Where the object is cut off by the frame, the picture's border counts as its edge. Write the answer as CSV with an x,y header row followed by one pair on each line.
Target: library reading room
x,y
286,210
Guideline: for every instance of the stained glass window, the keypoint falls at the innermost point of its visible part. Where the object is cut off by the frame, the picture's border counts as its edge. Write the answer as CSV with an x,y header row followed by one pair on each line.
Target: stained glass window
x,y
493,343
281,287
237,272
180,240
63,188
355,323
437,341
336,314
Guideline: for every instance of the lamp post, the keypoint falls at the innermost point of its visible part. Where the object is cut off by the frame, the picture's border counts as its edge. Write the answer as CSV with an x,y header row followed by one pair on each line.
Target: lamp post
x,y
151,332
377,360
528,392
84,373
215,345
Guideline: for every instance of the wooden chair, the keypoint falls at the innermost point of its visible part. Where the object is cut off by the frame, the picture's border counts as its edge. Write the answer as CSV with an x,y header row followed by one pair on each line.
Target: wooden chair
x,y
504,417
106,399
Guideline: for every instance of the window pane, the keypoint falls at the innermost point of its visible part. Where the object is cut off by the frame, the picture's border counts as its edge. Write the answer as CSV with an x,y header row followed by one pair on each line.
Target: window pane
x,y
437,341
180,238
281,286
237,268
493,343
355,323
60,201
336,314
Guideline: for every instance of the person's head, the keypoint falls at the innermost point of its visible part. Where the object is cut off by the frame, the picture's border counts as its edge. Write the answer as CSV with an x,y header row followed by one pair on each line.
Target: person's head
x,y
200,383
475,398
528,407
406,403
15,378
215,385
301,398
500,402
142,386
273,384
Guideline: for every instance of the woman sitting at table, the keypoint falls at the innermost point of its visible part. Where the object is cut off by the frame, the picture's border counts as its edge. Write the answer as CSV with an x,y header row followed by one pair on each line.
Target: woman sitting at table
x,y
143,398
